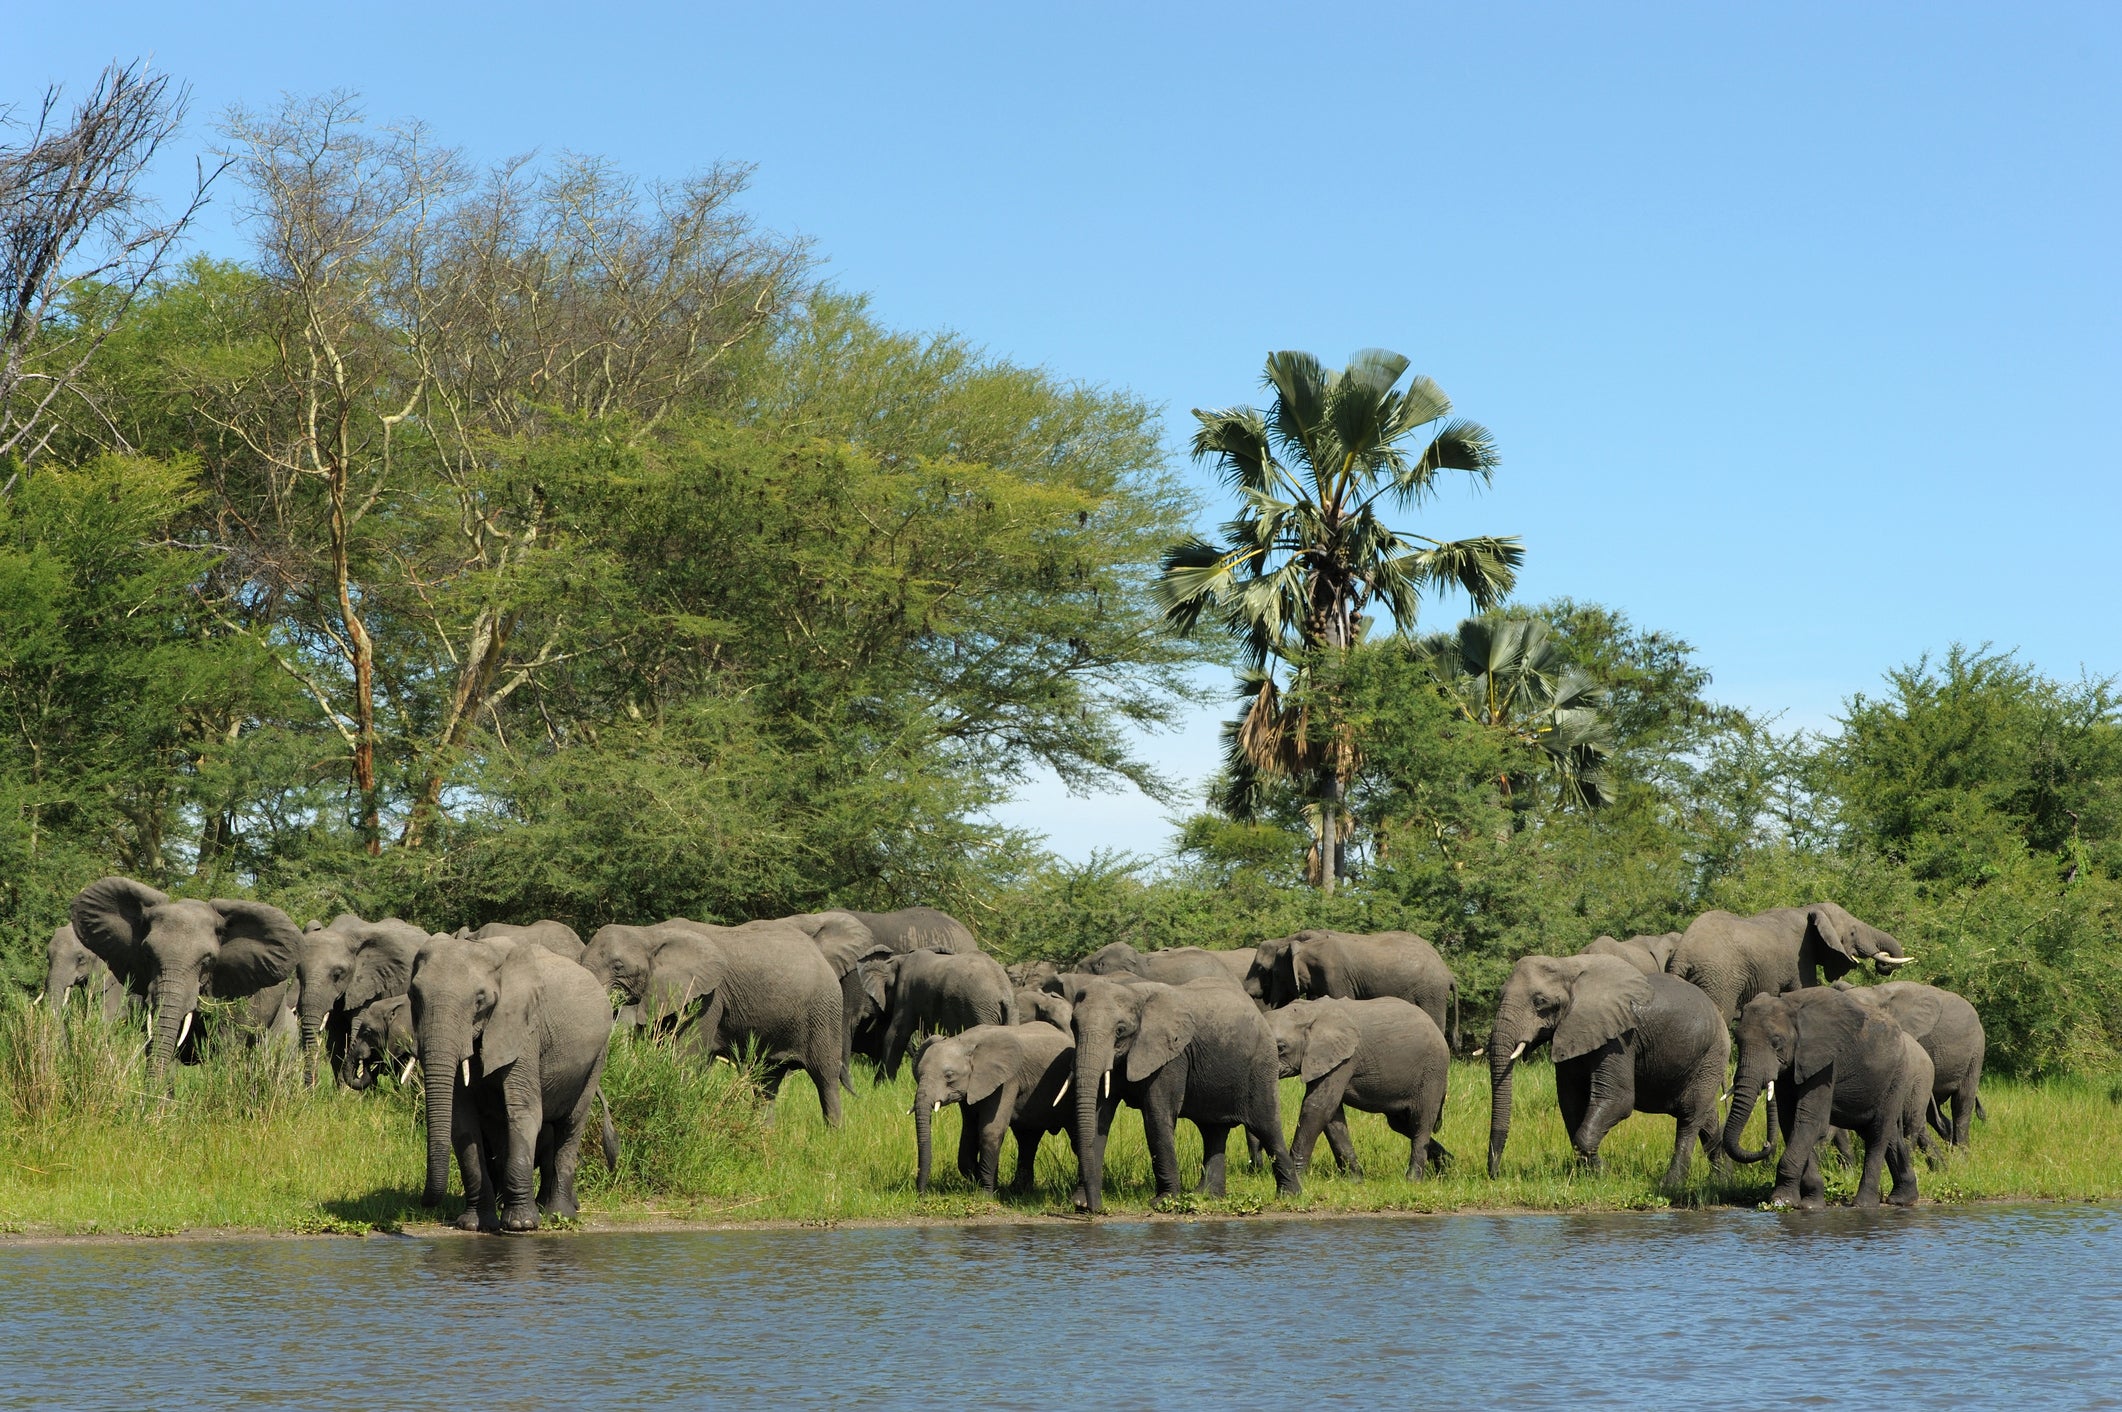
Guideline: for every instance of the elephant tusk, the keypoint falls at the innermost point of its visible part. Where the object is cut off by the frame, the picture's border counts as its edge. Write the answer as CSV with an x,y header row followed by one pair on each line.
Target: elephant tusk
x,y
184,1029
1519,1050
1108,1089
1478,1052
937,1109
1892,961
464,1073
1064,1090
1768,1095
408,1068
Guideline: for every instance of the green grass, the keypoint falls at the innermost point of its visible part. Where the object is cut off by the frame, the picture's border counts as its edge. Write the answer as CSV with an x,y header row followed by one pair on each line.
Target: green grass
x,y
238,1143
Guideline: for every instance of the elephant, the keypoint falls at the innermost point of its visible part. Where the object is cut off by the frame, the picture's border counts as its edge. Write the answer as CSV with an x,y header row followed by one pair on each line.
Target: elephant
x,y
1377,1056
1008,1078
1031,975
723,989
556,937
1036,1007
1321,965
175,951
68,964
940,993
1201,1051
345,967
1648,954
512,1042
847,945
1734,958
1824,1059
1174,966
1951,1034
918,929
380,1036
1622,1043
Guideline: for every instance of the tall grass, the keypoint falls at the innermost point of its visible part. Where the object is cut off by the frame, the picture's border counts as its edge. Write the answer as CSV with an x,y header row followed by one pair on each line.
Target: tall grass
x,y
238,1142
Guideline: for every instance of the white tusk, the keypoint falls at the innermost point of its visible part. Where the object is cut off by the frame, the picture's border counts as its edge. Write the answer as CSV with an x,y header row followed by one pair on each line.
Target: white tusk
x,y
408,1068
937,1109
37,999
1064,1089
1478,1052
1768,1094
464,1073
1892,961
1108,1093
1516,1052
184,1029
911,1109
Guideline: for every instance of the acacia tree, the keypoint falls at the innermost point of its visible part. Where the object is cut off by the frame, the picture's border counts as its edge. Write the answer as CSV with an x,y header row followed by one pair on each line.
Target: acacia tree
x,y
1308,558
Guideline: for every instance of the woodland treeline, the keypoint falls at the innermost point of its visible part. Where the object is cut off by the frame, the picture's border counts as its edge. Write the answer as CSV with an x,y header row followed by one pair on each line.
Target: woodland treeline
x,y
541,540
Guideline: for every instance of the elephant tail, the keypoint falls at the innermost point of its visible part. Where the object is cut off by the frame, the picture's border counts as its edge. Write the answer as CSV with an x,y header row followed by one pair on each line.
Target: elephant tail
x,y
1935,1116
1980,1111
609,1136
1455,1017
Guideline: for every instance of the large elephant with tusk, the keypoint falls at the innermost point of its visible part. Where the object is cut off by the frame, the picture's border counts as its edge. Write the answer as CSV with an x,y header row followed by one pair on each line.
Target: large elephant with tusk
x,y
1623,1042
1732,959
346,966
175,950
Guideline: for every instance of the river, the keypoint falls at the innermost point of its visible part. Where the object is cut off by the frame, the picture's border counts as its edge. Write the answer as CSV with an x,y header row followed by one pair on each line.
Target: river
x,y
1938,1306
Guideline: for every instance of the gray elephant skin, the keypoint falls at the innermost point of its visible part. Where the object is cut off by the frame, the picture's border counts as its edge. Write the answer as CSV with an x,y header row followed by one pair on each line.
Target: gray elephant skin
x,y
918,929
556,937
847,946
1330,965
1174,965
345,967
1951,1034
67,964
512,1043
940,993
725,989
1008,1079
1652,955
174,951
1734,958
1827,1060
1622,1042
1377,1056
380,1037
1200,1051
1041,1007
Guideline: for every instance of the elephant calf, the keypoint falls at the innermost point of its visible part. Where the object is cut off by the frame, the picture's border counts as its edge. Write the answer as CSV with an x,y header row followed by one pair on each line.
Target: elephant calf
x,y
1825,1060
380,1036
1377,1056
1951,1034
1623,1042
1008,1078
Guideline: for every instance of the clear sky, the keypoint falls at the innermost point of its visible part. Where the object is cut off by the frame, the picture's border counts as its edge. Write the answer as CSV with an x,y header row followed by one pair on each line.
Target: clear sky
x,y
1797,325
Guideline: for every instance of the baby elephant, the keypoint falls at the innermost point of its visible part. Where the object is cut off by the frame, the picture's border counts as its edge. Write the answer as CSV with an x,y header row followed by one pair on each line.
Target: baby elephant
x,y
1009,1078
381,1035
1377,1056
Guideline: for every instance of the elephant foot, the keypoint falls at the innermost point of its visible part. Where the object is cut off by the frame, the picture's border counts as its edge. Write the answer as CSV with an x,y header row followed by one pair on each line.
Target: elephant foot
x,y
1786,1196
468,1220
563,1207
518,1219
1901,1197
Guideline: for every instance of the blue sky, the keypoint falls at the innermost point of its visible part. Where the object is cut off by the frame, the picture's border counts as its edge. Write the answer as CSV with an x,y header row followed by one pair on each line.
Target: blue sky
x,y
1797,326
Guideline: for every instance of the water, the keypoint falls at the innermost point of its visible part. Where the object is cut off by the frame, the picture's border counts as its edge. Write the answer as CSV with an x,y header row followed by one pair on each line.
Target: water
x,y
1939,1306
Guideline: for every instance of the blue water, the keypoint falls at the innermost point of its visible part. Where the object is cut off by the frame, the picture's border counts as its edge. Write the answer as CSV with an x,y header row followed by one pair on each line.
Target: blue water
x,y
1938,1307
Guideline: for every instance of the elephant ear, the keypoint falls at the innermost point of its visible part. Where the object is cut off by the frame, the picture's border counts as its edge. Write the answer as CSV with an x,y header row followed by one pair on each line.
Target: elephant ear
x,y
1332,1044
1917,1010
686,969
259,946
990,1070
1604,1002
511,1031
1825,1028
110,918
1823,928
383,964
1167,1029
1302,962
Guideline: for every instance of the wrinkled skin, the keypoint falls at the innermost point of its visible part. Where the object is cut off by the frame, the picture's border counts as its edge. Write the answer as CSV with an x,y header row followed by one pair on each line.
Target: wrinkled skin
x,y
512,1041
1007,1078
1330,965
1376,1056
344,968
1174,965
1623,1042
67,964
1201,1051
174,951
1732,959
1834,1062
723,990
1042,1007
1031,975
939,993
846,944
556,937
1951,1034
380,1037
918,929
1648,954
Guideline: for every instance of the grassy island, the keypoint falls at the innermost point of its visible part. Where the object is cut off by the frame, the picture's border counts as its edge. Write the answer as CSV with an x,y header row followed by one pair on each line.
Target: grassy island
x,y
239,1144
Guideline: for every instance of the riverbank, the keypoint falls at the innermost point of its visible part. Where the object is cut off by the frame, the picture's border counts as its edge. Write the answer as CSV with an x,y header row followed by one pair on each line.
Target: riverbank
x,y
241,1146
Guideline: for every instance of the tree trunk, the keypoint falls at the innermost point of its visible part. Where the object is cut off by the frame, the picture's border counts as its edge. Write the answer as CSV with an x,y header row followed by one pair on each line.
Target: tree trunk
x,y
361,656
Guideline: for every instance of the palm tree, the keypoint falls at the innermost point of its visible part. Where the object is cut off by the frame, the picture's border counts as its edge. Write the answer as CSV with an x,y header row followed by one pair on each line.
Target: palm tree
x,y
1509,673
1308,557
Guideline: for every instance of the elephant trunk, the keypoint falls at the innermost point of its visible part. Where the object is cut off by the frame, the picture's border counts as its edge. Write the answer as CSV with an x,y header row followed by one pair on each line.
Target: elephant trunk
x,y
925,1106
310,1011
1745,1089
356,1074
56,986
1505,1045
174,1003
440,1055
1094,1063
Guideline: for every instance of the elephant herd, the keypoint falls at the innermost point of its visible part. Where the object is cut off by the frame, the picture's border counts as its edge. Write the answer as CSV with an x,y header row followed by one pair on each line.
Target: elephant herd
x,y
509,1028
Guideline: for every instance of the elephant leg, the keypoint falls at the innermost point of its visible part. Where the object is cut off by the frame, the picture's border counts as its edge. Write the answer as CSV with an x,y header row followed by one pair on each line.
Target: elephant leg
x,y
1160,1118
1901,1162
1254,1161
1839,1140
1001,1108
1264,1122
1573,1093
1610,1096
1876,1141
1964,1111
969,1124
525,1115
1215,1156
1344,1148
567,1146
1321,1097
471,1135
897,1035
1798,1181
1029,1135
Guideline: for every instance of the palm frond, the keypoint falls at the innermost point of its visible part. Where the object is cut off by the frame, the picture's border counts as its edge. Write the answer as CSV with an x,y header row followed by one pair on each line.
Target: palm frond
x,y
1485,568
